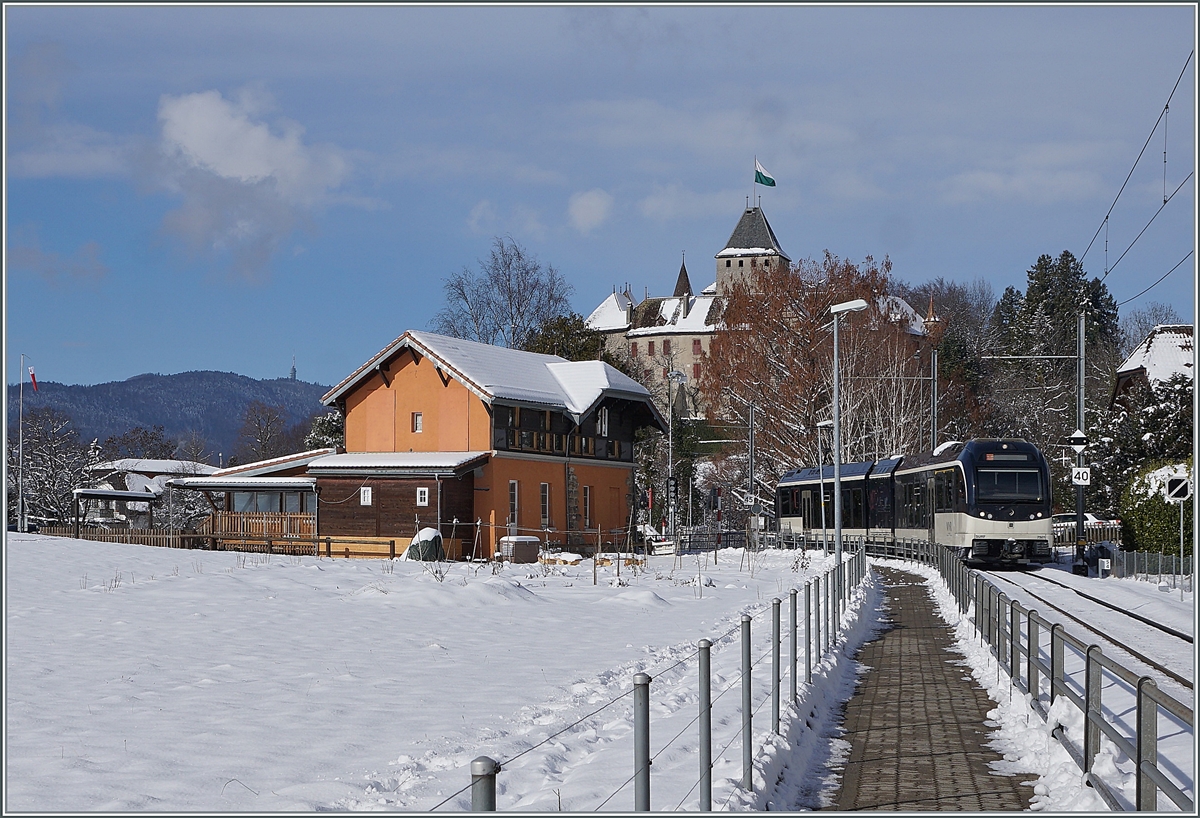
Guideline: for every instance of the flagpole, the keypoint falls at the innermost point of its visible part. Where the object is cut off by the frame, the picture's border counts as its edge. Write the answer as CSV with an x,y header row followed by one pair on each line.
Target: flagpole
x,y
21,450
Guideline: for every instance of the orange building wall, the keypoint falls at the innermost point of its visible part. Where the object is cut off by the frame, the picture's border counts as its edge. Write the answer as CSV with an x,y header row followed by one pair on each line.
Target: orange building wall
x,y
610,489
379,416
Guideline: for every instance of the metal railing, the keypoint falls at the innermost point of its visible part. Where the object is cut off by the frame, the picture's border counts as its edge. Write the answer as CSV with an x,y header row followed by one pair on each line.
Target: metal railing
x,y
1033,651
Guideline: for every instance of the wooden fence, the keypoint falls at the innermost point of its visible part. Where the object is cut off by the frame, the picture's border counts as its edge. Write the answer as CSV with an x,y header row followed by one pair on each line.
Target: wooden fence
x,y
259,524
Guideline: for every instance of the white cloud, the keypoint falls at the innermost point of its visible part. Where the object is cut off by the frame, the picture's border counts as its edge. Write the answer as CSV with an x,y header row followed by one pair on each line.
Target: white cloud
x,y
84,265
245,185
589,209
71,150
482,218
212,134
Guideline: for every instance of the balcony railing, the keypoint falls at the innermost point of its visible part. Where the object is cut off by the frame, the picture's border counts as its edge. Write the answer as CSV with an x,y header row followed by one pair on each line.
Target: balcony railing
x,y
259,524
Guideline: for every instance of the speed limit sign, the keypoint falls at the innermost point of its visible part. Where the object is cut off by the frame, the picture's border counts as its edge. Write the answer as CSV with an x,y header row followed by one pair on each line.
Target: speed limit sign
x,y
1081,476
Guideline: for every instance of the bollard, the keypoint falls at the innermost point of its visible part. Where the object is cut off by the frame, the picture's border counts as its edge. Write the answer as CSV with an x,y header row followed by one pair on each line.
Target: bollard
x,y
747,754
808,641
705,726
483,784
641,742
792,644
775,665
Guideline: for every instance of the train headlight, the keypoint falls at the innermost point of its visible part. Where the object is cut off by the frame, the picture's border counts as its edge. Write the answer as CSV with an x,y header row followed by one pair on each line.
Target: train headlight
x,y
989,516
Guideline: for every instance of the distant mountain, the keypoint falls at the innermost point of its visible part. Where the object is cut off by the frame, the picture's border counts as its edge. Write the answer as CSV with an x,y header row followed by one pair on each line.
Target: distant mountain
x,y
210,403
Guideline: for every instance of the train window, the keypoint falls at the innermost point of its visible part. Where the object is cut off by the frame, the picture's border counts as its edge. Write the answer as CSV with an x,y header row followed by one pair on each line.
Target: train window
x,y
944,489
1008,486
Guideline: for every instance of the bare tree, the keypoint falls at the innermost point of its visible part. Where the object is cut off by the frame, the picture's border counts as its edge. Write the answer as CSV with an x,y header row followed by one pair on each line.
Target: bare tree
x,y
56,463
1137,324
774,350
262,435
507,301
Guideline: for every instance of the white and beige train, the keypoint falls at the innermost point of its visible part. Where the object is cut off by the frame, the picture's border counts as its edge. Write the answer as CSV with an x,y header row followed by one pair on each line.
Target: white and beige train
x,y
988,500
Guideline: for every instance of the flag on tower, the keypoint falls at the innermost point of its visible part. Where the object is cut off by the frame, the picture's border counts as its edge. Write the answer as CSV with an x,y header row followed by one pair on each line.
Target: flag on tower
x,y
32,379
761,176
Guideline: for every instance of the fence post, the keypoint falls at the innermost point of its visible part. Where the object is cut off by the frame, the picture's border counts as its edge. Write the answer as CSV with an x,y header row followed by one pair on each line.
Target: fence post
x,y
792,644
329,547
1001,621
1056,659
705,726
270,546
808,633
1147,744
1033,645
817,643
747,750
483,784
392,549
1091,732
1014,641
641,742
775,640
828,613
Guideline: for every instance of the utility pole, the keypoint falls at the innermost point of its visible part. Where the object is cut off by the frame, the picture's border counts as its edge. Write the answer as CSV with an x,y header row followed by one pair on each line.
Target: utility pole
x,y
1080,459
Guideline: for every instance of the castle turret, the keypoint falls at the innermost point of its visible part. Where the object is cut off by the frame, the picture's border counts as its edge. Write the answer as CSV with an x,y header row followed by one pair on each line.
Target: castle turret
x,y
751,246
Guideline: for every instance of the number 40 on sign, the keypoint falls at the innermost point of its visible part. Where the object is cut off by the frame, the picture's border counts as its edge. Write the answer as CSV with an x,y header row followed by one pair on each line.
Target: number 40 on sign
x,y
1081,476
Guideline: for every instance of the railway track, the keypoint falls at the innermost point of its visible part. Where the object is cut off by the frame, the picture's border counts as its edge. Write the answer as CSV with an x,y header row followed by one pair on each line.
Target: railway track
x,y
1107,637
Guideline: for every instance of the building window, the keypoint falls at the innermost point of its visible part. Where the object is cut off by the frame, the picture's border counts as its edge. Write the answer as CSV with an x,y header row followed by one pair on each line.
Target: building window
x,y
513,486
633,349
602,421
545,494
514,417
666,346
417,424
766,263
695,372
740,262
422,496
649,347
364,496
587,506
728,263
696,348
647,373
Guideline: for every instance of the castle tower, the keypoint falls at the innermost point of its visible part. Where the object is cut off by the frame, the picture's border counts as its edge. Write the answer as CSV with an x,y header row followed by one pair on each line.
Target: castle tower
x,y
751,246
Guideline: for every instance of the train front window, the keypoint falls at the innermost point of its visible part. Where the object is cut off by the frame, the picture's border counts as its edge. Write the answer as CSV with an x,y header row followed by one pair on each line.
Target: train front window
x,y
1009,486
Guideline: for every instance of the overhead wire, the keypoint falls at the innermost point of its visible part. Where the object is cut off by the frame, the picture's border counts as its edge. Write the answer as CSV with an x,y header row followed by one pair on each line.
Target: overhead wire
x,y
1186,63
1156,283
1147,227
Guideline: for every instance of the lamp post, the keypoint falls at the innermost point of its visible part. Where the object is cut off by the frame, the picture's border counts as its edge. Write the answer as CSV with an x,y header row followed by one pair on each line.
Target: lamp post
x,y
836,310
824,424
935,328
674,376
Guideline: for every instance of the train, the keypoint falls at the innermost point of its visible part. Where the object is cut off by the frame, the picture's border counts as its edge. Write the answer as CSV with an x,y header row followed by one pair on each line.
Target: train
x,y
986,499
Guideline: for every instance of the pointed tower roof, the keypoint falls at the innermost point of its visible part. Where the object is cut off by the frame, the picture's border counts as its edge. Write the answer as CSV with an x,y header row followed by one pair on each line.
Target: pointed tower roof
x,y
753,236
683,285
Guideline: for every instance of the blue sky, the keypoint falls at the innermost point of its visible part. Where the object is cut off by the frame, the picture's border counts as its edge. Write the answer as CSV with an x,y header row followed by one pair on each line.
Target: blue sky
x,y
226,187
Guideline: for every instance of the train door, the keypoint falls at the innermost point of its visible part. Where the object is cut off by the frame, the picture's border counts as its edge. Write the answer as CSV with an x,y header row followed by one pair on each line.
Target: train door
x,y
930,506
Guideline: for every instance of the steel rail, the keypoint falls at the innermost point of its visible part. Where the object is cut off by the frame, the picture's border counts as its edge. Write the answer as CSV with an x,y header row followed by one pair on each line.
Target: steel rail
x,y
1131,651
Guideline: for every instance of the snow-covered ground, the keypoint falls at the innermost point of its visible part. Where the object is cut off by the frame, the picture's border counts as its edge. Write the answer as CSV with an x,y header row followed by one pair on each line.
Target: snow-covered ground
x,y
149,679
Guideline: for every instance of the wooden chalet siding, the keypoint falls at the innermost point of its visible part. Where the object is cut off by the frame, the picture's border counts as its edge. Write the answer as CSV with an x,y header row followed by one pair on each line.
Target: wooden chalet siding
x,y
393,511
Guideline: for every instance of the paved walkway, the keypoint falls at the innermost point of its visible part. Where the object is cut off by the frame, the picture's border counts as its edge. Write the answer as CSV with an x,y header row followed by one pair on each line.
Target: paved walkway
x,y
916,722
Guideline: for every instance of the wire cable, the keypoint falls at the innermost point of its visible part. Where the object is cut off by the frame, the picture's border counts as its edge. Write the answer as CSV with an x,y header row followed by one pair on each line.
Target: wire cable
x,y
1156,283
568,727
455,795
1186,63
1147,227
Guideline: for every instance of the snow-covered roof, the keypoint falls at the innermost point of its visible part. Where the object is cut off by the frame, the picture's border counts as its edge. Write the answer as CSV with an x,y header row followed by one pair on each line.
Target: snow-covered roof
x,y
1168,350
275,464
396,462
899,311
153,466
670,312
242,483
612,314
499,374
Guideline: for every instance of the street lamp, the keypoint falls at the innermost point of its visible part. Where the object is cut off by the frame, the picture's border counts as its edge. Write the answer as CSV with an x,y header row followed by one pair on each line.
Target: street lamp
x,y
836,311
935,327
824,424
674,376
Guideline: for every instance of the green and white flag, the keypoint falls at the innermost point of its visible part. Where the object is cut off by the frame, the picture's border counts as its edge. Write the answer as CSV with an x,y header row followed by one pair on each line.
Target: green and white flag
x,y
761,176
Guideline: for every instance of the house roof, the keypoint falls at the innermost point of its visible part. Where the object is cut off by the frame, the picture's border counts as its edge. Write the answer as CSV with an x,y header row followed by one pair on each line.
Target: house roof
x,y
1168,350
664,316
241,483
154,466
449,463
511,376
753,236
612,314
275,464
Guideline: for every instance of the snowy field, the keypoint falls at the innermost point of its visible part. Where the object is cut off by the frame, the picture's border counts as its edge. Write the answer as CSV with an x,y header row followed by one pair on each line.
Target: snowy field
x,y
149,679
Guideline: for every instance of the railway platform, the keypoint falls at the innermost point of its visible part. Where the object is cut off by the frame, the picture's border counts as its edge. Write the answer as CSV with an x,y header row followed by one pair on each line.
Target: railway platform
x,y
916,721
